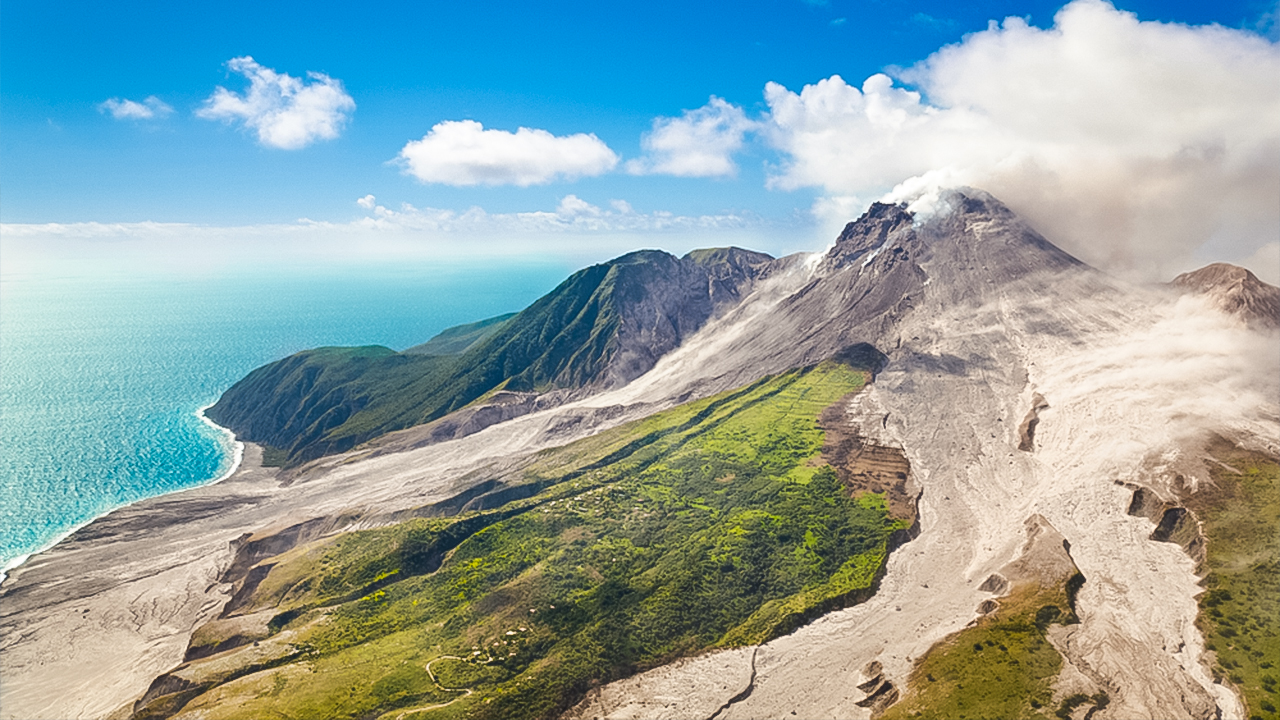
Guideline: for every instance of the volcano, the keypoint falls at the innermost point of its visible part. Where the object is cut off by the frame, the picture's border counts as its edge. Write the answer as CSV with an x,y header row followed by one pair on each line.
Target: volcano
x,y
942,468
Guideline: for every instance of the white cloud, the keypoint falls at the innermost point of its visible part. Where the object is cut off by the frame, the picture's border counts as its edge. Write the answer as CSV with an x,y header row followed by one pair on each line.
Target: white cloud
x,y
699,143
575,232
367,202
1131,144
572,215
286,112
462,152
1265,262
571,205
125,109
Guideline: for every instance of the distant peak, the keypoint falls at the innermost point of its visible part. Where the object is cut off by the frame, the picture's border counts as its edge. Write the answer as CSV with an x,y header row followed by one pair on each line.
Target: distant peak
x,y
955,229
1216,275
1236,291
972,201
641,256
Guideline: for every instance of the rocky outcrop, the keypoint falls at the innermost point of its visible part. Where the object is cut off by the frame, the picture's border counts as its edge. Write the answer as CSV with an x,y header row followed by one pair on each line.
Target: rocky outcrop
x,y
1027,430
1235,291
880,692
1174,523
1045,558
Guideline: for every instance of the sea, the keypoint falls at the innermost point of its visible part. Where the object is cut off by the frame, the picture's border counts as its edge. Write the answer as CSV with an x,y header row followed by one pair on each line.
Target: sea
x,y
102,379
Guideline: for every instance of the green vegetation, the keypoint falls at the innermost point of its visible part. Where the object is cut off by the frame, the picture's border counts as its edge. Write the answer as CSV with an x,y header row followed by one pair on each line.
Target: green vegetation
x,y
712,524
458,339
1003,667
273,456
1240,609
329,400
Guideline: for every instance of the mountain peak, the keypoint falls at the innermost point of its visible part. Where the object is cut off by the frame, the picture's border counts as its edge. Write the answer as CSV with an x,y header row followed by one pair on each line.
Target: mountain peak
x,y
1217,275
966,232
868,232
1235,291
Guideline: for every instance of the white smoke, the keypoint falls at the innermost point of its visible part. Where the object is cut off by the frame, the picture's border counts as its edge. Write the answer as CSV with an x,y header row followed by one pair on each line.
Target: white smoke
x,y
1145,148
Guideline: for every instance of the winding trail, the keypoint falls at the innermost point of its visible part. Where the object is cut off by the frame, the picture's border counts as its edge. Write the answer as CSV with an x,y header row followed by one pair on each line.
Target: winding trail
x,y
466,692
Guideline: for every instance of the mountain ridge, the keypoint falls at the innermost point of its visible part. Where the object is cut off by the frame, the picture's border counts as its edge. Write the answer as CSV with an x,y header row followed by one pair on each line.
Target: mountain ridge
x,y
600,328
459,338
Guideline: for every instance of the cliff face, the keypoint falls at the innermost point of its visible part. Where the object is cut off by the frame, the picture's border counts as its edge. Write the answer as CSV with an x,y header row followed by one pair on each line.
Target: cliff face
x,y
601,328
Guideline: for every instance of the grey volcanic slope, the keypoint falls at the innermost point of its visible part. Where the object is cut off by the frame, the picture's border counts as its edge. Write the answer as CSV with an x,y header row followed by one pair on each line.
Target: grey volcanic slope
x,y
1235,290
602,327
884,268
984,324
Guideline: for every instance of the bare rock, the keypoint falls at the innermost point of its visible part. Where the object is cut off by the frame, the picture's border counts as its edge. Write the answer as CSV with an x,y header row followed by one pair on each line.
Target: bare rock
x,y
1235,291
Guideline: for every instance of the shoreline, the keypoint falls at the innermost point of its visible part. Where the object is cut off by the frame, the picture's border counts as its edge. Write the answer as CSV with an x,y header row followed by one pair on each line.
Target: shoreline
x,y
229,445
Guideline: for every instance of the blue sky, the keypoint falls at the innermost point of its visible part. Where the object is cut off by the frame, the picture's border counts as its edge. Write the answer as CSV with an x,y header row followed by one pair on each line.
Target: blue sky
x,y
566,68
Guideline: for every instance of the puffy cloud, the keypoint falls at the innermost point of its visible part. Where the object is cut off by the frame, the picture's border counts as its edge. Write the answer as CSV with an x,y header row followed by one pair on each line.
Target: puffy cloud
x,y
286,112
571,205
125,109
367,202
699,143
1142,147
462,152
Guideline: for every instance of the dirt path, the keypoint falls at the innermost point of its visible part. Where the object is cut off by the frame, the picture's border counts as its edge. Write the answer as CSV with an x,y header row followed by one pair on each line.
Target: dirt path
x,y
465,691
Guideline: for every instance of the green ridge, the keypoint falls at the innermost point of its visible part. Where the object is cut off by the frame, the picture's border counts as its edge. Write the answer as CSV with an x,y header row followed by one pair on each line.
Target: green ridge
x,y
712,524
328,400
460,338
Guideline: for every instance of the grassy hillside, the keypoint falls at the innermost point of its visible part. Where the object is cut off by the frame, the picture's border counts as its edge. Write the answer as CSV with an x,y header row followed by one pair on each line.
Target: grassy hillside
x,y
1240,609
457,340
712,524
329,400
1002,667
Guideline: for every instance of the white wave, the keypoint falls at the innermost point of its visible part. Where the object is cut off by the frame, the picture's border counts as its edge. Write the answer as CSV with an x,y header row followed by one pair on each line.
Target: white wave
x,y
231,447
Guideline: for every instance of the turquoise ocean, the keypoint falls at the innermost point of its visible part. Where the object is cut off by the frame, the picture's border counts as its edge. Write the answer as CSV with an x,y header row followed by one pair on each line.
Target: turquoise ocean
x,y
102,379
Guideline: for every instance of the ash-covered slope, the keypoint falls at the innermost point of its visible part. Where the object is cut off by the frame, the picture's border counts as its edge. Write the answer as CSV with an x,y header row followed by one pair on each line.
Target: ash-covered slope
x,y
1020,384
1235,290
884,268
602,327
